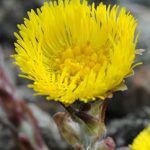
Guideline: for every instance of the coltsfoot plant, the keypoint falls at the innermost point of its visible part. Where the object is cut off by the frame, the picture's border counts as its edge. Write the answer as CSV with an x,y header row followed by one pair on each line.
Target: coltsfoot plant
x,y
78,55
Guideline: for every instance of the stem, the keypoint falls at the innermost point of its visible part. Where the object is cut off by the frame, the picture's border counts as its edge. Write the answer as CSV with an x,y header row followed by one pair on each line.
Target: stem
x,y
103,111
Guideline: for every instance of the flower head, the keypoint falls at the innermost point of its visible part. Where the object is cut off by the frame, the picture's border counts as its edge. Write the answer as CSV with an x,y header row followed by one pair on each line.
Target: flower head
x,y
142,141
73,51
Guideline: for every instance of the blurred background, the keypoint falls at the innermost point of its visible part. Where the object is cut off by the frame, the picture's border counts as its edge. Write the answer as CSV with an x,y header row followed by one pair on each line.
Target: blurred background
x,y
128,112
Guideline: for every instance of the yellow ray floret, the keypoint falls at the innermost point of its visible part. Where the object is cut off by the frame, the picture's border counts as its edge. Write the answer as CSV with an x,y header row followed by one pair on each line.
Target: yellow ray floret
x,y
72,50
142,141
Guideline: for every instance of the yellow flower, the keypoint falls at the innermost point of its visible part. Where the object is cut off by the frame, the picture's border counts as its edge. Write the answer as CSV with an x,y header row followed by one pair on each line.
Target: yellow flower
x,y
142,141
74,51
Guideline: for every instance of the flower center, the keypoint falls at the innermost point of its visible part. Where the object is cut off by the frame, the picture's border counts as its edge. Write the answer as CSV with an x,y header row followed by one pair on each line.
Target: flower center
x,y
81,60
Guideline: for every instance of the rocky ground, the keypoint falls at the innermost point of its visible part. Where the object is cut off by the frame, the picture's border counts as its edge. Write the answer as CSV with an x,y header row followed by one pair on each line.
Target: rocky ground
x,y
128,112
